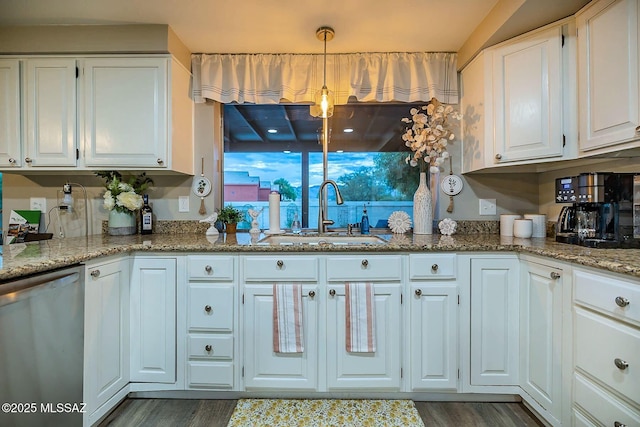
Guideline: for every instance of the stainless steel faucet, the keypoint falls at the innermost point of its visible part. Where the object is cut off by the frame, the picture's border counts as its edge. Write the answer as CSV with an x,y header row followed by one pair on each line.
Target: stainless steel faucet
x,y
322,220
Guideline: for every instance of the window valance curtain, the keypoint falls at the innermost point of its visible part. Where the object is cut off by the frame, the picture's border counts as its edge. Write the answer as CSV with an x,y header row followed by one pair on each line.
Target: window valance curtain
x,y
272,78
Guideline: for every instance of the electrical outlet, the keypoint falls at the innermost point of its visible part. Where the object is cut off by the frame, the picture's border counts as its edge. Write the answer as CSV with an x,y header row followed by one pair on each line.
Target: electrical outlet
x,y
183,203
487,206
38,204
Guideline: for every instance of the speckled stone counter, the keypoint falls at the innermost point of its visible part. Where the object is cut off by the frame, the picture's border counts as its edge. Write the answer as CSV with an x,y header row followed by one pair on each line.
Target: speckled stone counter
x,y
24,259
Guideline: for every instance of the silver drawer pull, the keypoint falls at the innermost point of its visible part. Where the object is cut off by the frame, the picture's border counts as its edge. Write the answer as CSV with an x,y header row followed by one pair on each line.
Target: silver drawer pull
x,y
95,273
160,161
208,348
418,292
434,267
312,294
28,159
332,292
12,161
622,301
207,308
365,263
498,156
279,263
619,424
554,275
621,364
208,269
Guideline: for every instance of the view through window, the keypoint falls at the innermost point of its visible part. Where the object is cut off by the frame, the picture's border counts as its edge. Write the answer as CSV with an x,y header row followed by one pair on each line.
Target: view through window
x,y
270,147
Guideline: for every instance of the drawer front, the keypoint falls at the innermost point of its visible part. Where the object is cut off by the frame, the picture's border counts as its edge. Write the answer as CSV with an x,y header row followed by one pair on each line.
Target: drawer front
x,y
364,268
432,266
605,408
280,269
210,347
600,342
614,297
206,267
210,375
210,307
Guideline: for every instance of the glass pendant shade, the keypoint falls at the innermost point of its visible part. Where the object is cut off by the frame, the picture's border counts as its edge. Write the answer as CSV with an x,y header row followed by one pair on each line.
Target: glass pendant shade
x,y
323,103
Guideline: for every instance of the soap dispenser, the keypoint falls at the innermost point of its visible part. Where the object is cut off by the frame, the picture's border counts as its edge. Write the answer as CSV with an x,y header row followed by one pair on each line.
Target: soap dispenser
x,y
364,223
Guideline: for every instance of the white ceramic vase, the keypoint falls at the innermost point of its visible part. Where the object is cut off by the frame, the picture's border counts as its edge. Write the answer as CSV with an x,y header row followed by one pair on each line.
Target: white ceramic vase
x,y
422,208
121,223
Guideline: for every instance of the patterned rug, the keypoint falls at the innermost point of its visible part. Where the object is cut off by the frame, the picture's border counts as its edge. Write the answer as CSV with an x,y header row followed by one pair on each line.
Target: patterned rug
x,y
324,413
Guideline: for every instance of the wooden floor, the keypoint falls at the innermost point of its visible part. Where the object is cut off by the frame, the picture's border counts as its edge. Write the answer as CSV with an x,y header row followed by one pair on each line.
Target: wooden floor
x,y
216,413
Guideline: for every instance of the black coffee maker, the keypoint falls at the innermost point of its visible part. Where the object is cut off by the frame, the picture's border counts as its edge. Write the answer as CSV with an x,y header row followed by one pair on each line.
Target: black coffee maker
x,y
602,209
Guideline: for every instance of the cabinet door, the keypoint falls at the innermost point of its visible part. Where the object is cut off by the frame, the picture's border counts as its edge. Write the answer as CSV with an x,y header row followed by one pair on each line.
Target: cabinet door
x,y
50,98
264,368
541,335
433,332
494,321
153,320
10,133
379,370
527,93
608,73
106,332
125,112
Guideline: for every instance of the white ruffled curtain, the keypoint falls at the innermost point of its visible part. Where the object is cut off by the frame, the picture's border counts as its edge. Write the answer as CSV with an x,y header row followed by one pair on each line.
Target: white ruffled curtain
x,y
272,78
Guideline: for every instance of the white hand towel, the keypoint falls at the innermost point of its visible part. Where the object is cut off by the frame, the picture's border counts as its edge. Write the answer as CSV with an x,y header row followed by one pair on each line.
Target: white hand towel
x,y
360,317
287,318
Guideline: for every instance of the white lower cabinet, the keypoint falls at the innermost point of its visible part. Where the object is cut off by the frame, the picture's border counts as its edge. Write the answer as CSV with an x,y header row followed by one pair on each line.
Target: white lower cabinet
x,y
153,319
541,355
494,321
211,322
106,336
433,322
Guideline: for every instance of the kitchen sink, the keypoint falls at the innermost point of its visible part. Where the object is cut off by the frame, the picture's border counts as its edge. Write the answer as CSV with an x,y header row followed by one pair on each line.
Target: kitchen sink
x,y
322,239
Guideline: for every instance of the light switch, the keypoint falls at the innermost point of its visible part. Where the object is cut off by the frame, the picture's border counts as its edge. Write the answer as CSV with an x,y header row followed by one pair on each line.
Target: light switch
x,y
183,203
487,206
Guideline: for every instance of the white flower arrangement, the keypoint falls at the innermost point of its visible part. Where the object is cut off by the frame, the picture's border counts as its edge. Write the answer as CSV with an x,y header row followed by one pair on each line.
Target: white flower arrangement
x,y
429,134
121,195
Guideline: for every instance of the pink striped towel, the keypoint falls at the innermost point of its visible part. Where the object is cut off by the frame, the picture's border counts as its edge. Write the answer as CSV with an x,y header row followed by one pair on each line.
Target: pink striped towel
x,y
360,313
287,318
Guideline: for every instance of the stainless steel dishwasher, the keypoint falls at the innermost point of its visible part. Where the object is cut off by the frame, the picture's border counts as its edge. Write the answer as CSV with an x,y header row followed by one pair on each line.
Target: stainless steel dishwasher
x,y
41,349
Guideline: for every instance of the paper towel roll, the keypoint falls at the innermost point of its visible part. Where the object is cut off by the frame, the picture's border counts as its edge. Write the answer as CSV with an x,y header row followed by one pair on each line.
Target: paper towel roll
x,y
539,224
506,224
274,212
522,228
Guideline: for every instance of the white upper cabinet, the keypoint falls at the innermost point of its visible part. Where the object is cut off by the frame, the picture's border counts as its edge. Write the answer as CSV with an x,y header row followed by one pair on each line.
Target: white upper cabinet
x,y
514,101
125,112
10,132
608,75
50,109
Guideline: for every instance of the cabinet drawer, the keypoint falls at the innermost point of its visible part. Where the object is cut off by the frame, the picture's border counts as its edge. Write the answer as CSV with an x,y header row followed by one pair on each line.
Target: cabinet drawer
x,y
600,342
608,295
210,307
210,267
364,268
282,268
606,408
210,346
432,266
207,374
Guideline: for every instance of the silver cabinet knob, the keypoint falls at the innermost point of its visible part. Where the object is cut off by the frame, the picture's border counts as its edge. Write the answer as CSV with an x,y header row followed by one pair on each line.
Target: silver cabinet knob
x,y
95,273
434,267
498,156
280,263
160,161
332,292
208,269
365,263
555,275
621,364
312,294
208,308
619,424
12,160
622,302
637,129
418,292
28,159
208,348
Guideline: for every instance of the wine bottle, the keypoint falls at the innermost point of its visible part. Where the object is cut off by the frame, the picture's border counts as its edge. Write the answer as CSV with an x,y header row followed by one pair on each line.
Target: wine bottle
x,y
146,216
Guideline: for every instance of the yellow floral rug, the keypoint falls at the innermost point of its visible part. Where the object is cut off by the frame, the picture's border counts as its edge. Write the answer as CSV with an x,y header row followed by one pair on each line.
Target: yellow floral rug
x,y
324,413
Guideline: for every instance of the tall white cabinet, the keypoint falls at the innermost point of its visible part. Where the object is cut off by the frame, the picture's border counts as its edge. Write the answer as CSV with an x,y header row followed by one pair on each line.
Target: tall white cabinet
x,y
10,117
608,63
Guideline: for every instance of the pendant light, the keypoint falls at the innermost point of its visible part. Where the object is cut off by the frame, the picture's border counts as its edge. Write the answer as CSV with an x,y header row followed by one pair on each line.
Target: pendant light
x,y
323,106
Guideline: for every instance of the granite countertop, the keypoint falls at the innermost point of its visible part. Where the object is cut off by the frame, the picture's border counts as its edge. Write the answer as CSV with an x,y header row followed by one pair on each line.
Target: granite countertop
x,y
28,258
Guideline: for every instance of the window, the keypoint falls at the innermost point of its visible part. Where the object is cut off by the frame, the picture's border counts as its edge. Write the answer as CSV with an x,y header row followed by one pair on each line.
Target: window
x,y
277,147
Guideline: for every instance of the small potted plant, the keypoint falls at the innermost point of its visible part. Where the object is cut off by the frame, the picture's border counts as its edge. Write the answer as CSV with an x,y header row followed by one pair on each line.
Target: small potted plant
x,y
230,216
